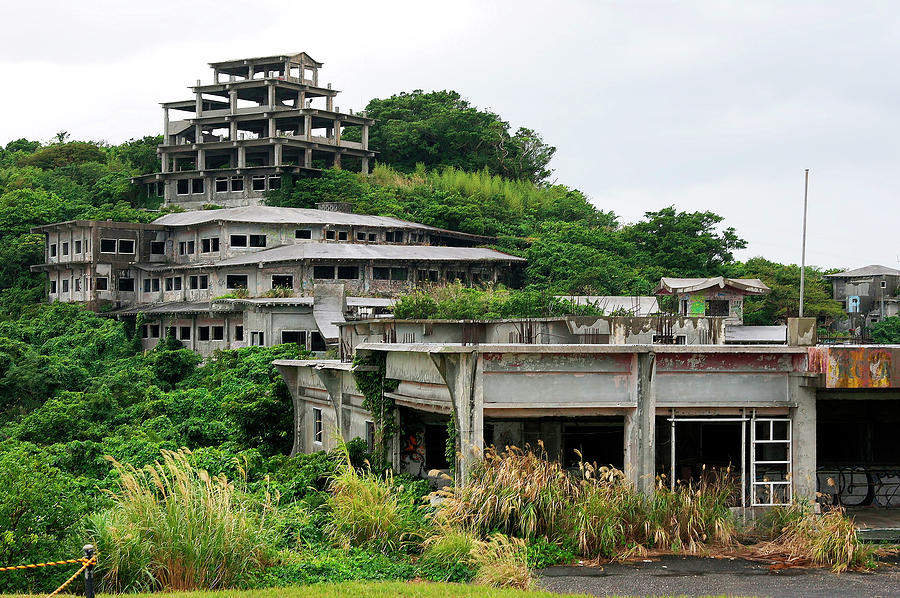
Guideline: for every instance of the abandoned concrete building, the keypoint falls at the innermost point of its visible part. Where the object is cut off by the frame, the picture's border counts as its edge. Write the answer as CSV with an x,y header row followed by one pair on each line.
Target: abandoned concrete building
x,y
868,294
771,413
219,279
258,120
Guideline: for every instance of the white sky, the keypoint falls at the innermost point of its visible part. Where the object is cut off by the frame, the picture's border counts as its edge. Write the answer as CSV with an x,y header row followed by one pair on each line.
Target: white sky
x,y
705,105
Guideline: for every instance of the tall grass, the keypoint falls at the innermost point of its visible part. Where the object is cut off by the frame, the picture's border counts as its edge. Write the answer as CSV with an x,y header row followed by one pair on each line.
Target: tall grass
x,y
175,527
369,511
523,493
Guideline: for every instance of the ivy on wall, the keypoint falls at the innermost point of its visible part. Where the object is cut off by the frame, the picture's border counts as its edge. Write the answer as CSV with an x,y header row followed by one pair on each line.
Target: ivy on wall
x,y
373,384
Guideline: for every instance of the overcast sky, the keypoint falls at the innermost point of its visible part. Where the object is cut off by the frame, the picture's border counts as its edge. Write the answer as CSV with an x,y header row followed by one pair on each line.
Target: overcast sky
x,y
703,105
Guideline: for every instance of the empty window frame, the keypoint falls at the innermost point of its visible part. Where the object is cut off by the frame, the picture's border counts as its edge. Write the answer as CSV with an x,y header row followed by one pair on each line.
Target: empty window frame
x,y
258,339
126,246
77,246
108,245
370,436
717,307
199,281
222,184
329,236
257,240
146,285
186,247
65,249
427,276
323,272
126,284
52,249
65,285
238,240
183,187
196,186
202,333
209,245
237,183
393,236
303,233
317,425
343,235
238,333
184,333
317,343
274,182
154,330
373,237
77,285
293,336
348,272
236,281
173,283
218,333
52,287
258,183
158,247
283,280
360,236
381,273
102,283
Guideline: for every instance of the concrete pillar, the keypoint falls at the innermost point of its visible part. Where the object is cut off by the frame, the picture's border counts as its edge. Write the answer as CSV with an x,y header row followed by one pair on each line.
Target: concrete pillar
x,y
337,132
198,103
365,137
232,100
201,159
301,99
332,379
242,157
271,89
462,374
337,160
315,78
287,69
165,125
307,158
365,166
291,377
164,161
307,124
198,134
278,152
232,130
803,436
329,103
271,127
640,426
250,72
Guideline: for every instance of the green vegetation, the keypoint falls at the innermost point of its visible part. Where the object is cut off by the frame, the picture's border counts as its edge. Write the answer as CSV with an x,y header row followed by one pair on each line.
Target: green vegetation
x,y
887,331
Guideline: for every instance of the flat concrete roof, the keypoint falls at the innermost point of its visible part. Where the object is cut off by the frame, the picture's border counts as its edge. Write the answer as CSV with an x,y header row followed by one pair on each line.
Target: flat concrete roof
x,y
581,349
325,364
360,251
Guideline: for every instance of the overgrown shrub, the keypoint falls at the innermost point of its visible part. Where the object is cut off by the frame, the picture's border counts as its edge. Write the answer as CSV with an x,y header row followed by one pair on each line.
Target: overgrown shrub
x,y
502,563
175,527
449,555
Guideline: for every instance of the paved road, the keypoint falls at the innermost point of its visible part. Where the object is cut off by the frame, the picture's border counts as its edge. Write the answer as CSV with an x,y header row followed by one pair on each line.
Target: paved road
x,y
693,576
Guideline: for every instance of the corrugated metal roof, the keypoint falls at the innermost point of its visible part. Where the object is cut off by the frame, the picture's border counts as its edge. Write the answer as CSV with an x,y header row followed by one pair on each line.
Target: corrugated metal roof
x,y
872,270
751,286
295,216
356,251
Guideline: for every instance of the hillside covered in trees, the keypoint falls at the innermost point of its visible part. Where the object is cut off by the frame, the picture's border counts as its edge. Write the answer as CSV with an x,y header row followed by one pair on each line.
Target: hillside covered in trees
x,y
74,386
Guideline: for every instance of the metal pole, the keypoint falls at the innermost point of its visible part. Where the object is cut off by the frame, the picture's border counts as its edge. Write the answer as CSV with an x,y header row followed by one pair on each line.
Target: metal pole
x,y
672,452
803,251
89,572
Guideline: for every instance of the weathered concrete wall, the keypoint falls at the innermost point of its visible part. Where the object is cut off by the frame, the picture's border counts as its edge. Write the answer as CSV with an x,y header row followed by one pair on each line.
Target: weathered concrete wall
x,y
844,366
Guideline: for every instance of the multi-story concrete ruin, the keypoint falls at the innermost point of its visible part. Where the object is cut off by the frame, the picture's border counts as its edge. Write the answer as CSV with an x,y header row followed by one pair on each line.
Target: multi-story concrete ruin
x,y
219,279
258,120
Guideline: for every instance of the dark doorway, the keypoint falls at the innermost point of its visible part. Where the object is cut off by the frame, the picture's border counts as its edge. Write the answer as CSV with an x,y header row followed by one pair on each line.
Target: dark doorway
x,y
436,446
602,443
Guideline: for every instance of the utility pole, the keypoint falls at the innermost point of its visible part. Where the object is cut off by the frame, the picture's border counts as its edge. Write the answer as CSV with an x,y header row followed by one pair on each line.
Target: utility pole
x,y
803,251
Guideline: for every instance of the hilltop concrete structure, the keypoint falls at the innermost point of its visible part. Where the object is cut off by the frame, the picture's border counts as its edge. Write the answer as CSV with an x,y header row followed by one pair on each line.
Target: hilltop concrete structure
x,y
718,296
258,120
868,294
220,279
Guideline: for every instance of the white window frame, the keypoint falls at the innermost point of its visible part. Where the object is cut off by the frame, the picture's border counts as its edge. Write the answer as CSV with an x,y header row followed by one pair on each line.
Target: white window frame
x,y
318,428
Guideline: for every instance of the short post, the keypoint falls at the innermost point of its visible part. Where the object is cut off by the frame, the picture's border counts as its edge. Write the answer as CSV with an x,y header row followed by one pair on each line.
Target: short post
x,y
89,572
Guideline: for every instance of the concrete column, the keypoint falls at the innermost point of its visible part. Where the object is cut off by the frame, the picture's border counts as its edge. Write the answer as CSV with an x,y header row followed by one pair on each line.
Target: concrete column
x,y
164,161
271,89
232,100
278,151
365,166
640,426
287,69
329,103
307,124
331,379
337,160
198,134
271,127
315,77
307,158
198,106
242,157
250,72
365,137
337,132
232,130
803,436
291,376
201,159
462,374
301,99
165,125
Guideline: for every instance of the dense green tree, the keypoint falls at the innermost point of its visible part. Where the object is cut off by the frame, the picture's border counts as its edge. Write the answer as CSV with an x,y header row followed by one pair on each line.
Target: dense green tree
x,y
440,128
886,331
65,154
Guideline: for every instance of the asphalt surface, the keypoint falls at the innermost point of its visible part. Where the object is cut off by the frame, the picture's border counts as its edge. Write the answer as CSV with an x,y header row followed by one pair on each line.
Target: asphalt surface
x,y
695,576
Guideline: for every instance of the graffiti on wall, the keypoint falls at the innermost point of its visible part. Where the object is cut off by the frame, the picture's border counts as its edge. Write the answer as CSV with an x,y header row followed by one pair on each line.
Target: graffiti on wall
x,y
412,453
697,305
854,367
859,486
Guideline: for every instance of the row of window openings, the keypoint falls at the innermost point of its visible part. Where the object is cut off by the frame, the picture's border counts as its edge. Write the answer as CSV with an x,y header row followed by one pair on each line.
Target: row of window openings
x,y
151,285
225,184
125,246
211,245
204,333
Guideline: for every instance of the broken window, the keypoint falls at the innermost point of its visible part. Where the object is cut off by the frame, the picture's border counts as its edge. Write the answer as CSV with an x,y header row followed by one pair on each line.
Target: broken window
x,y
372,237
77,285
399,274
258,183
203,333
370,436
77,246
238,240
102,283
283,280
184,333
126,246
323,272
154,330
146,285
237,183
221,184
274,182
717,307
257,339
303,233
381,273
236,281
317,342
348,272
342,235
155,285
360,236
329,235
156,247
52,287
145,331
257,240
53,250
209,245
317,425
200,281
108,245
196,185
238,333
126,284
183,186
65,249
293,336
65,285
218,333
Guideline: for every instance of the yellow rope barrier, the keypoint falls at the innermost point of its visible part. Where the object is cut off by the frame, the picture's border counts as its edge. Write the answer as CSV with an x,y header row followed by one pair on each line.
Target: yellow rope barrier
x,y
87,563
50,564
